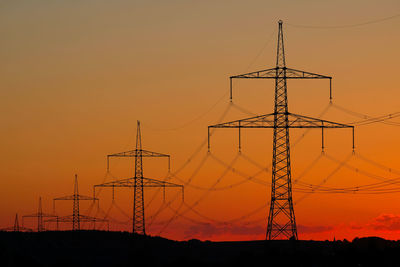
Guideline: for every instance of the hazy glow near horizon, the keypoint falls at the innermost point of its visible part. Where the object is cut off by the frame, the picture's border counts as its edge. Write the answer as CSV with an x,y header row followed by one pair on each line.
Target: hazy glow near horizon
x,y
75,77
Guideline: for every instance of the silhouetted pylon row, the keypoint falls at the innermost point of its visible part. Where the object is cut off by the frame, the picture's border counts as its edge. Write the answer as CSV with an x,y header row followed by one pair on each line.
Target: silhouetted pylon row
x,y
75,218
138,183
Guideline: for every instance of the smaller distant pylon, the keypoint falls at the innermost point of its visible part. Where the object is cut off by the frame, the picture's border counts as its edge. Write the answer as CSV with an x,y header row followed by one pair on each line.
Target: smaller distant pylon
x,y
39,215
16,227
76,218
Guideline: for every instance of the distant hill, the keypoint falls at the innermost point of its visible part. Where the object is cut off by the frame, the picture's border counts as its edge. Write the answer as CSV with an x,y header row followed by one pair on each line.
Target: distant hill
x,y
100,248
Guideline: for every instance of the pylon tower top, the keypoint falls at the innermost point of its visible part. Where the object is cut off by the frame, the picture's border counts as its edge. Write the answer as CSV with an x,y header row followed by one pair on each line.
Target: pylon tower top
x,y
280,57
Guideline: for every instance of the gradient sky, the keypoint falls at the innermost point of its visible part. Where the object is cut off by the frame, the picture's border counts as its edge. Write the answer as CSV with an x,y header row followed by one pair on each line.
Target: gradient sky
x,y
75,77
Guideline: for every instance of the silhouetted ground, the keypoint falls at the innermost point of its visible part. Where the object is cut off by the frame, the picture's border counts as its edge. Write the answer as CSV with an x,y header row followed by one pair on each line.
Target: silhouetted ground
x,y
97,248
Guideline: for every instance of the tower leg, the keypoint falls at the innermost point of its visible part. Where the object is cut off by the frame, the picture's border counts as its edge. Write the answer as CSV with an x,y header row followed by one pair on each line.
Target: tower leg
x,y
281,219
138,208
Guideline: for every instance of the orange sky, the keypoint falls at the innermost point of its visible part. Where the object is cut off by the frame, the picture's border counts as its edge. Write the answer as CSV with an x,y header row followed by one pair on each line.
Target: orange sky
x,y
75,77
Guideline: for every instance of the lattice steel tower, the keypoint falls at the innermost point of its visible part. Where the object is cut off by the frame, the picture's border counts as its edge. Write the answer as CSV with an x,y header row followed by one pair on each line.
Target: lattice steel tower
x,y
39,215
138,182
76,218
16,227
281,218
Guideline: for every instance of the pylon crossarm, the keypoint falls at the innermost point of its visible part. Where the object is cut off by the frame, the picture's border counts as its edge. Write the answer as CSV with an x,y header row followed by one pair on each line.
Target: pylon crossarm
x,y
274,74
85,218
299,74
72,197
261,74
136,152
293,121
38,214
130,182
69,218
147,182
281,72
80,197
300,121
261,121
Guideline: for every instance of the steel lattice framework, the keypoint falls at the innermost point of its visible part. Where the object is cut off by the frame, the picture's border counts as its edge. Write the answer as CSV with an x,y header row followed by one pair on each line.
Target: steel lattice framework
x,y
39,215
81,218
76,218
138,182
16,227
281,219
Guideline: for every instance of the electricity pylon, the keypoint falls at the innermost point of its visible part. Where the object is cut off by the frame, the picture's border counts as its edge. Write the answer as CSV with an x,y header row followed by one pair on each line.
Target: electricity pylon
x,y
138,182
39,215
16,227
281,218
76,218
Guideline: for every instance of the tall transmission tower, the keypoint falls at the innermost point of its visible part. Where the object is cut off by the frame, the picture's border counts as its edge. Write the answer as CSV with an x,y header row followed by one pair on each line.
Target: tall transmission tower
x,y
138,182
76,218
16,227
281,219
39,215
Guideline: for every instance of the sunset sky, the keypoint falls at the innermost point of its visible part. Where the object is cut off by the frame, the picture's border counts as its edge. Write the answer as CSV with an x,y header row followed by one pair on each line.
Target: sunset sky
x,y
77,75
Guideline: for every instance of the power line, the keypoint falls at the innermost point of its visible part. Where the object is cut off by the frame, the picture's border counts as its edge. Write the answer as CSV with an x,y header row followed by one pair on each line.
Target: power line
x,y
373,188
367,119
377,164
330,175
261,51
199,148
190,121
346,25
382,118
202,197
